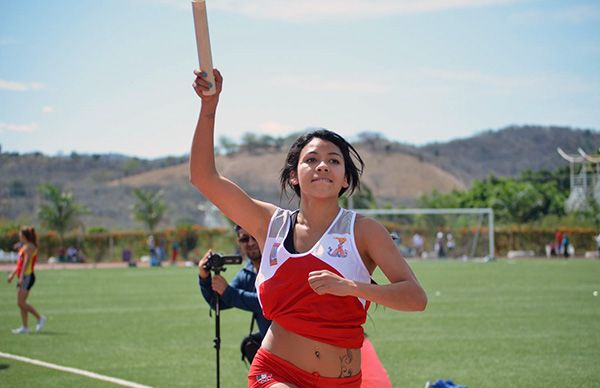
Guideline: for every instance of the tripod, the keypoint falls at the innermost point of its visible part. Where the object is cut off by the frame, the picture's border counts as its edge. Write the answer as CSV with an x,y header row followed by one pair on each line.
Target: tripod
x,y
216,264
217,340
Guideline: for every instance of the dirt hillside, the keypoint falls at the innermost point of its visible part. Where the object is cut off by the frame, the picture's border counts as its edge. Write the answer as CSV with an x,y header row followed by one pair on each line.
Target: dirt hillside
x,y
394,177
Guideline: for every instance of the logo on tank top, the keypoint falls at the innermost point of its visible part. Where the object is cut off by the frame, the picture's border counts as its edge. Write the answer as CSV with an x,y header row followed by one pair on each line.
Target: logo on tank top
x,y
273,254
339,251
264,378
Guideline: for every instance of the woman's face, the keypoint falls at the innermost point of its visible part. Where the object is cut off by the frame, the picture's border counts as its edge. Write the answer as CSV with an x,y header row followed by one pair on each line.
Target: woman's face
x,y
22,238
321,171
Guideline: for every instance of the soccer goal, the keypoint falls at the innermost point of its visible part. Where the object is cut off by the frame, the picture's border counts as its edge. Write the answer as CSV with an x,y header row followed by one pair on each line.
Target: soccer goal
x,y
465,233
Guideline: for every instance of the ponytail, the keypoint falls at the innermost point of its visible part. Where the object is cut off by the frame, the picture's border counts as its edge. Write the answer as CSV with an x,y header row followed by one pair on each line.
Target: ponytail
x,y
29,233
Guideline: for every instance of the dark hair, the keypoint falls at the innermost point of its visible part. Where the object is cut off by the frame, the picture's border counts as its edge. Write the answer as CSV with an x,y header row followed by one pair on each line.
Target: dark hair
x,y
352,172
29,233
236,229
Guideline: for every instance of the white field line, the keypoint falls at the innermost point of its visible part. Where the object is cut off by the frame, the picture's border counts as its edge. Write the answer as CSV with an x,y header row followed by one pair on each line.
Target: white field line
x,y
76,371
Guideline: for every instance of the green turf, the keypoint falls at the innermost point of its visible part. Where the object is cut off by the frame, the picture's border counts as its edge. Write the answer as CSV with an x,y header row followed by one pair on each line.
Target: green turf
x,y
500,324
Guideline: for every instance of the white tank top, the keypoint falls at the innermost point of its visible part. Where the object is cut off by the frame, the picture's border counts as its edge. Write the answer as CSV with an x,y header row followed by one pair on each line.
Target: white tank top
x,y
284,292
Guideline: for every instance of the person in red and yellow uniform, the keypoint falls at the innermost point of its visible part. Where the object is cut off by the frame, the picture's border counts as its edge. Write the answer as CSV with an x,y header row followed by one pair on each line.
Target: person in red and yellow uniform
x,y
24,271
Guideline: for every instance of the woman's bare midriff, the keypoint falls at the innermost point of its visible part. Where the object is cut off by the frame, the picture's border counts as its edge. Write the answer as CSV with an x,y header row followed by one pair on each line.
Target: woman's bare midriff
x,y
311,356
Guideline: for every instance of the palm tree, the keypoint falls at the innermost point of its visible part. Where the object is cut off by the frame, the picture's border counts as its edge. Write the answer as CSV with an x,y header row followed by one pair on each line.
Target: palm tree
x,y
60,212
149,208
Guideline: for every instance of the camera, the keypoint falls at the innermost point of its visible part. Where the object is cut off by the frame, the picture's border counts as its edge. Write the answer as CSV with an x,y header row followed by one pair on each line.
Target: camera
x,y
217,262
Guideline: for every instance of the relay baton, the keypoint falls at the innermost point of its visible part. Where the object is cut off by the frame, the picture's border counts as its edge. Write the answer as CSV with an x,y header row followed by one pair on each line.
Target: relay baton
x,y
203,43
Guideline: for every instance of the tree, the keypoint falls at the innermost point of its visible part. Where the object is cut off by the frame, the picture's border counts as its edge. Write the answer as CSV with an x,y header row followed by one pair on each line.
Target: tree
x,y
149,208
250,141
529,198
361,199
592,212
60,212
227,146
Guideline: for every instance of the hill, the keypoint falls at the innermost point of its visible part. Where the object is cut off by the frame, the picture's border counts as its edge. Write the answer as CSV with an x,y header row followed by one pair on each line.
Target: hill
x,y
104,184
511,150
396,173
394,177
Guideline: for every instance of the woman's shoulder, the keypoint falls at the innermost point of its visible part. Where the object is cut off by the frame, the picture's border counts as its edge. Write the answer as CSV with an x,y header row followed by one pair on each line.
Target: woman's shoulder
x,y
368,234
29,247
364,222
369,229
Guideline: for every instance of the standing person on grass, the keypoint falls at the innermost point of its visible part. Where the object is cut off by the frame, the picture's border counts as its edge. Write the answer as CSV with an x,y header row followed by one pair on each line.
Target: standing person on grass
x,y
24,271
241,293
314,280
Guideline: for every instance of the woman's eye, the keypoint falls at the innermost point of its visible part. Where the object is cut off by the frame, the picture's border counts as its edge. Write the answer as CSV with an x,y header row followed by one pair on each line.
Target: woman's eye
x,y
334,161
310,160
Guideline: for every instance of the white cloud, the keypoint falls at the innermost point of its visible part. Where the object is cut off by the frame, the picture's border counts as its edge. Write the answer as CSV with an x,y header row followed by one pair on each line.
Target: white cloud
x,y
274,128
314,84
20,86
319,10
47,109
18,127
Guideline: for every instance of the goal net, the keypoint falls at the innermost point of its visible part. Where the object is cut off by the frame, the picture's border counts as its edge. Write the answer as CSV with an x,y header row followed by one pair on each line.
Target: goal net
x,y
463,233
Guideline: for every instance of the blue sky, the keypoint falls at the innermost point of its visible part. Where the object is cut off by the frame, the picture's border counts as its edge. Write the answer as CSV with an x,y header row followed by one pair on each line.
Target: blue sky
x,y
115,75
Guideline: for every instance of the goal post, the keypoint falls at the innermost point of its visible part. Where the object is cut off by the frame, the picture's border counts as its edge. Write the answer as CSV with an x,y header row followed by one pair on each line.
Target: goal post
x,y
489,212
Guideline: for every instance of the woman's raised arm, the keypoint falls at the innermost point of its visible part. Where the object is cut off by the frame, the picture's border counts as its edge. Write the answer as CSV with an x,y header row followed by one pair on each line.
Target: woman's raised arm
x,y
250,214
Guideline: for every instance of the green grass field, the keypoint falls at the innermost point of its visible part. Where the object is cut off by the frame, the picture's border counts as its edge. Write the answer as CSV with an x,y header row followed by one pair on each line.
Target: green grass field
x,y
500,324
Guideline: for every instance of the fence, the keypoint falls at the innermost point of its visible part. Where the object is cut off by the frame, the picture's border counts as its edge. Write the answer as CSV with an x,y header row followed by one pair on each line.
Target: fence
x,y
194,241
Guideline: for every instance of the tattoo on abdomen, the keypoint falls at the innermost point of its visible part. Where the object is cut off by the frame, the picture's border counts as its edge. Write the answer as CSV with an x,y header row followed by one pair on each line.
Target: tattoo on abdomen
x,y
345,362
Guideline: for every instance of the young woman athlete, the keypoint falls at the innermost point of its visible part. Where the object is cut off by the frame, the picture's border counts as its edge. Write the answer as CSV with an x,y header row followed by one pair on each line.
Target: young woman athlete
x,y
314,280
24,271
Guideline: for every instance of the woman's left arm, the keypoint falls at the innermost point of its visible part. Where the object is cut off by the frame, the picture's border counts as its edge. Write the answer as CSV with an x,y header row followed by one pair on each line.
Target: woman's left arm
x,y
377,249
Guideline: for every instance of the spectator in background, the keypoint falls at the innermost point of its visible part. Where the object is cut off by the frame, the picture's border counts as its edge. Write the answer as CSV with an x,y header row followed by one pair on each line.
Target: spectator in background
x,y
74,255
450,244
438,247
161,250
152,251
566,243
418,243
62,255
174,251
558,241
127,257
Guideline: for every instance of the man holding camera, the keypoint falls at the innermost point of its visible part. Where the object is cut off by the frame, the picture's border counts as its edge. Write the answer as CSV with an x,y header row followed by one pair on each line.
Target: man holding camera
x,y
241,292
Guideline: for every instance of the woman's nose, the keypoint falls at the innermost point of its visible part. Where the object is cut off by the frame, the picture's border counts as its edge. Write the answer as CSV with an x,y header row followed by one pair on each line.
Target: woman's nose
x,y
322,166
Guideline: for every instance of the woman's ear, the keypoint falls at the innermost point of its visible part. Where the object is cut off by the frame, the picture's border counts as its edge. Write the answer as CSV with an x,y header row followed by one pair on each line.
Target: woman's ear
x,y
345,185
293,179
